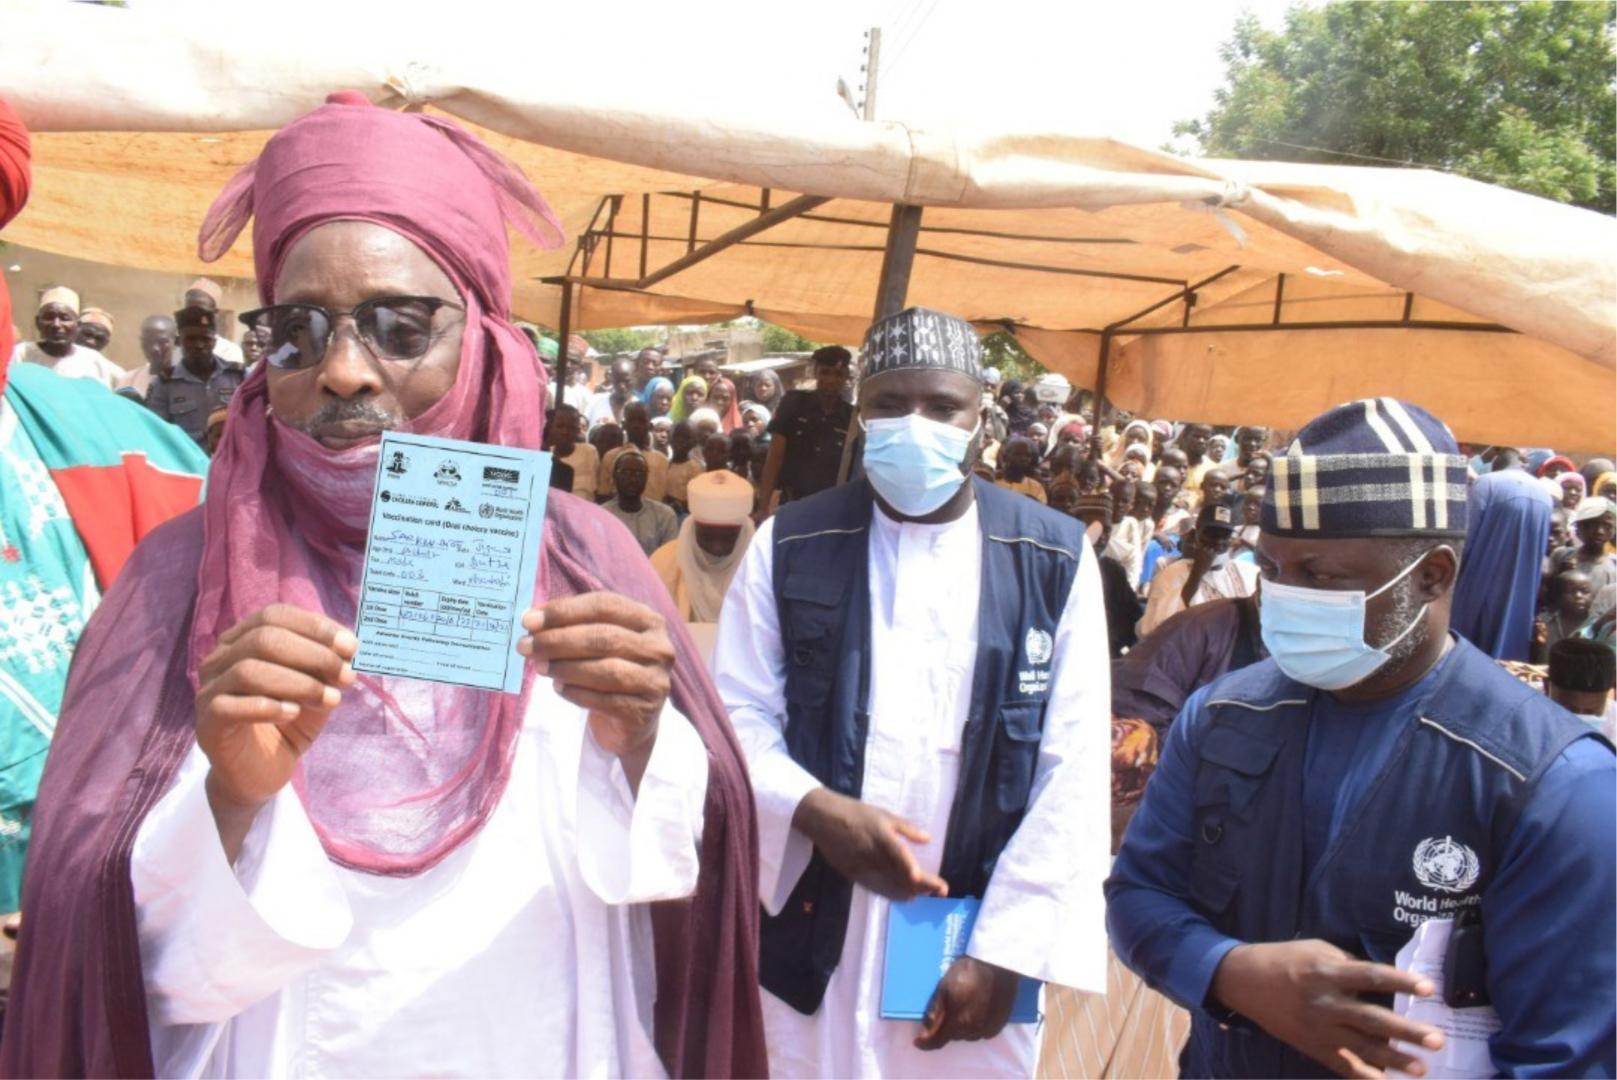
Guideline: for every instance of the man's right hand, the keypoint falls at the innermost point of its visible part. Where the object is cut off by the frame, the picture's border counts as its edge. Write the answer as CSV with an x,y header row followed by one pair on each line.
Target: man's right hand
x,y
1306,994
266,692
867,845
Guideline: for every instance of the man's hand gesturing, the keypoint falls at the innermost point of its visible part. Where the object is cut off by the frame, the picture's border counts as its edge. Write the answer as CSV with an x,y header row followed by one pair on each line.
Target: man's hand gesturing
x,y
1307,994
867,845
266,691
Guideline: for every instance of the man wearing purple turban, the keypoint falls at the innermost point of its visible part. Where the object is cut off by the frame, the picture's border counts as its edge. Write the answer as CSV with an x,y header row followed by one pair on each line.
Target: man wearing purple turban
x,y
249,860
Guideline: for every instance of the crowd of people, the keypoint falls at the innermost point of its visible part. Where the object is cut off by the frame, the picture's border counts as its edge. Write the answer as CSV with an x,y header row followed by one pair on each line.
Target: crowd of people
x,y
1244,709
189,373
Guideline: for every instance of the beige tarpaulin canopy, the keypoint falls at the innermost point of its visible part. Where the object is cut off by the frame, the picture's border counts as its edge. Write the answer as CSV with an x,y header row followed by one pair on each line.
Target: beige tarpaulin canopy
x,y
1217,290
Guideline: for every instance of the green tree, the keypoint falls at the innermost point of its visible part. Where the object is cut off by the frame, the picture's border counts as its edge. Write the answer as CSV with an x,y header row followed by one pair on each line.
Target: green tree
x,y
1518,94
778,339
1000,350
621,340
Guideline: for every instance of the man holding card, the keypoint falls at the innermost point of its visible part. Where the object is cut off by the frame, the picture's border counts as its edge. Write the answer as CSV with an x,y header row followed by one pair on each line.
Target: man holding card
x,y
916,665
254,855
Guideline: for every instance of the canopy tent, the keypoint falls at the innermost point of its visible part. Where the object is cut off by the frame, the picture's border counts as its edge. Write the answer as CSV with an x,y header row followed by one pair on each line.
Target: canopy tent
x,y
1231,292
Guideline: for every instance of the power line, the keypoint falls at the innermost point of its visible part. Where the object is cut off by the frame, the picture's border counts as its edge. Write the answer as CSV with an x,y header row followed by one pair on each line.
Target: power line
x,y
904,22
1381,160
903,47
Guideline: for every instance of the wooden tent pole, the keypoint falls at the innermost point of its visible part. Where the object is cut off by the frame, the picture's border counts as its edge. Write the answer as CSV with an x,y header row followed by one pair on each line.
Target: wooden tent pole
x,y
1100,379
903,230
898,257
566,331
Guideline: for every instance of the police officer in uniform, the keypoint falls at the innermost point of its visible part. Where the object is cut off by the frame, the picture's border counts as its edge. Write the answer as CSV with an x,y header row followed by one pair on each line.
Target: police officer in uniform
x,y
915,663
1377,772
202,382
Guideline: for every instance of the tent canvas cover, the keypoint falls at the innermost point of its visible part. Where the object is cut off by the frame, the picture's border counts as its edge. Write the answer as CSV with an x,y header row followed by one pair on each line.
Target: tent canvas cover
x,y
1224,291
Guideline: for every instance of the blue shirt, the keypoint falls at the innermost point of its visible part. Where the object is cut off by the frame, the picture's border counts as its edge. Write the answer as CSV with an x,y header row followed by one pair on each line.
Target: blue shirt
x,y
1550,931
1155,552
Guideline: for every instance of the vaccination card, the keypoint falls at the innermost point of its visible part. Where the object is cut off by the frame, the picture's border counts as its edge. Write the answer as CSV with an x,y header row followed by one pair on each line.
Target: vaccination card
x,y
451,561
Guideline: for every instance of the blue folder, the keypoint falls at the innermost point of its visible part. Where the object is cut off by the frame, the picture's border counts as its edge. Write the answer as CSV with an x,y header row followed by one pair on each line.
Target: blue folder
x,y
925,936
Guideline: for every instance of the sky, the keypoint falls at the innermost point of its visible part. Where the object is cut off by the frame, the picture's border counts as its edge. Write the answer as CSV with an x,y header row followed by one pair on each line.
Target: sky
x,y
1128,70
1125,69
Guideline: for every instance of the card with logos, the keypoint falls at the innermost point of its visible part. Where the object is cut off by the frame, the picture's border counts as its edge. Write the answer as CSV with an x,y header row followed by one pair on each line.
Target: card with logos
x,y
451,561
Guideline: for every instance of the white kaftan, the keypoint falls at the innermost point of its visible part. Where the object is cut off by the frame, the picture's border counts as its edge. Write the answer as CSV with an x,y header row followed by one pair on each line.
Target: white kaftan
x,y
1043,915
81,362
518,955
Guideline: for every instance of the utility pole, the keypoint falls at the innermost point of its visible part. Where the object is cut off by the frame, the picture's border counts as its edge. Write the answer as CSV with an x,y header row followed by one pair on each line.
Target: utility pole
x,y
902,232
871,69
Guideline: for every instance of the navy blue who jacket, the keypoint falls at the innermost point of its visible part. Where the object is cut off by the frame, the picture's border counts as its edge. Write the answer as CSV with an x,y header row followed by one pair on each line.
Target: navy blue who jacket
x,y
1031,557
1489,794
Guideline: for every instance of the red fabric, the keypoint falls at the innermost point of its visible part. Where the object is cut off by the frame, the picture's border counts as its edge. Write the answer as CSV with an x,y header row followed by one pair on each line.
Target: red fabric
x,y
114,506
15,178
1566,463
732,417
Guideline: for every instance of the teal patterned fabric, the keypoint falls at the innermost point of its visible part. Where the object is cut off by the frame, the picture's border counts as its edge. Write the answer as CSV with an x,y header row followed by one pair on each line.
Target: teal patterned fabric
x,y
47,591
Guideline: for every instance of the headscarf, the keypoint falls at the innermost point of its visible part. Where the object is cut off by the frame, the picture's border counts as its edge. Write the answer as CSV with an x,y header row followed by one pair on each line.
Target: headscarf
x,y
1600,483
1592,469
1536,459
1497,591
659,382
753,407
731,417
1142,453
435,757
769,377
15,179
1018,416
1064,424
716,498
1164,431
1115,455
1232,447
1566,464
704,577
678,410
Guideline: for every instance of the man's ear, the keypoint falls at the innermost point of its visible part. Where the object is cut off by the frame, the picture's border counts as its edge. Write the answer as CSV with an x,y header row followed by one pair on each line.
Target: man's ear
x,y
1439,569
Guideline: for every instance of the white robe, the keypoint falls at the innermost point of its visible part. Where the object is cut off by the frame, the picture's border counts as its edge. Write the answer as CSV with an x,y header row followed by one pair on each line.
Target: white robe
x,y
81,362
519,955
1044,915
1127,546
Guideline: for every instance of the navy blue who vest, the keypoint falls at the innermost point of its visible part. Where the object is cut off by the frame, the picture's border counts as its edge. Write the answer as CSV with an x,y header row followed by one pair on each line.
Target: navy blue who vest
x,y
822,595
1423,842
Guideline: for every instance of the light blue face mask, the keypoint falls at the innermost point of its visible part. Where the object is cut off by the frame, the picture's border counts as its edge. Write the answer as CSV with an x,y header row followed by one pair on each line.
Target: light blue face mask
x,y
1317,635
914,463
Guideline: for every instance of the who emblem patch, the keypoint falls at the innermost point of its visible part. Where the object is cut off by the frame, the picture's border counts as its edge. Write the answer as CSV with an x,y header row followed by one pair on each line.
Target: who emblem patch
x,y
1040,646
1445,864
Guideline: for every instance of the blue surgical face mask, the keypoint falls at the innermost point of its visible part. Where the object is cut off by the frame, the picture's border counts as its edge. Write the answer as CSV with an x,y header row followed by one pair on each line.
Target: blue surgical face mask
x,y
1317,635
914,463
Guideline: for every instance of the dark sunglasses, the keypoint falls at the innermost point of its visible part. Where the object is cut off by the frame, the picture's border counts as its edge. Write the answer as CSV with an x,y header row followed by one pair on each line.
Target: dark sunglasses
x,y
391,327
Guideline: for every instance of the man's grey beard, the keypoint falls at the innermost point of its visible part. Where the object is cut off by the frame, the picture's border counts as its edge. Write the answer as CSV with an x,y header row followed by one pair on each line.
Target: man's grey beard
x,y
340,411
1405,608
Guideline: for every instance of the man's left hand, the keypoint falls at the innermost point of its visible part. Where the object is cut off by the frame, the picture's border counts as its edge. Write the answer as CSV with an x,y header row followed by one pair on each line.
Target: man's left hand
x,y
973,1002
610,655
